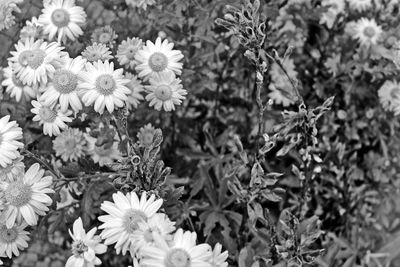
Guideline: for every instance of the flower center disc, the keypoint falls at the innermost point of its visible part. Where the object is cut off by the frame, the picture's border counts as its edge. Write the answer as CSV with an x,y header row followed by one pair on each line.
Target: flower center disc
x,y
147,138
35,58
47,114
132,218
105,84
23,57
17,82
369,31
60,17
395,93
131,53
8,235
70,144
79,247
158,62
177,257
65,81
18,194
163,92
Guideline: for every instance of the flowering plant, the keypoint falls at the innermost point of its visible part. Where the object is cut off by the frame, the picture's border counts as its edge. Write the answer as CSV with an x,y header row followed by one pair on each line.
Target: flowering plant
x,y
199,133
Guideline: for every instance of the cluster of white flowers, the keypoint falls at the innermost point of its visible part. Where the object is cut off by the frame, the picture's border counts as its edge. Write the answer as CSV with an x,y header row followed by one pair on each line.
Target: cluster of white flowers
x,y
137,226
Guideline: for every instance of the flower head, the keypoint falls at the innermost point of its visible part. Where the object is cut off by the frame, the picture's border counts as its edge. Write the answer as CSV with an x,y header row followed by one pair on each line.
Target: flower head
x,y
157,58
360,5
389,96
70,144
26,196
165,91
13,239
104,35
124,216
34,61
146,135
104,87
136,88
182,251
367,31
32,29
85,246
9,134
64,86
51,117
13,170
15,87
7,19
127,51
97,52
219,257
62,18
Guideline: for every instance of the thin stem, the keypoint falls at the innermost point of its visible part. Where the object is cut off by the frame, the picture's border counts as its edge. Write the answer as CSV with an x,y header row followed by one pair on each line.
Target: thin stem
x,y
43,162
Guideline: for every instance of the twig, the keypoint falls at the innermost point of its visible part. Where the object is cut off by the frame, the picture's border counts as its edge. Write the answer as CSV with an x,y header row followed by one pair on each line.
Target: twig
x,y
42,162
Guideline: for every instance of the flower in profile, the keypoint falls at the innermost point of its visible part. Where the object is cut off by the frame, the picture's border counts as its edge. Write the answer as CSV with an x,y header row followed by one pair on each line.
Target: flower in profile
x,y
182,251
136,88
159,223
70,145
367,31
103,154
124,216
65,85
26,196
32,29
97,52
62,18
85,246
389,96
9,134
15,87
127,51
219,257
165,91
13,239
51,117
146,135
13,170
360,5
140,3
158,57
7,19
335,7
104,35
104,87
35,61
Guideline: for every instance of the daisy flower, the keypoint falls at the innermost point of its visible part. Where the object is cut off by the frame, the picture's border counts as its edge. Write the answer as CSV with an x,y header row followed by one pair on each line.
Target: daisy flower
x,y
182,252
123,217
158,57
35,61
97,52
367,31
127,51
146,135
26,196
15,87
103,86
165,91
70,145
218,258
140,3
104,35
32,29
136,88
62,18
65,85
85,246
13,239
13,170
159,223
52,118
7,19
102,154
9,134
389,96
360,5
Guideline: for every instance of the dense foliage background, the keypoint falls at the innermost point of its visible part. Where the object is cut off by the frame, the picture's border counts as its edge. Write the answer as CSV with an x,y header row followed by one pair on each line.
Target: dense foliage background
x,y
311,180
